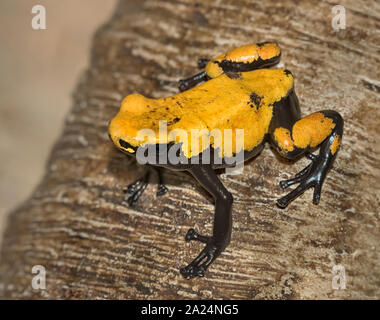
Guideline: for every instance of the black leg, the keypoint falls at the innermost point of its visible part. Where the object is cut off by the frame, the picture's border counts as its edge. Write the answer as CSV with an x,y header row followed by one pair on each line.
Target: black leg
x,y
221,235
161,188
315,173
137,188
188,83
202,62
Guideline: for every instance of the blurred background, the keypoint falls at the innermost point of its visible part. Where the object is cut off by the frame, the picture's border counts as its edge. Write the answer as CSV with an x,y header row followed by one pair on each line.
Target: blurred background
x,y
38,72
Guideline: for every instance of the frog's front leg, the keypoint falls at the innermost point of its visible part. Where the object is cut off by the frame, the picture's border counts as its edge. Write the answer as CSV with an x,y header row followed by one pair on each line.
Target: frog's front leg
x,y
222,228
202,62
188,83
322,128
137,188
161,188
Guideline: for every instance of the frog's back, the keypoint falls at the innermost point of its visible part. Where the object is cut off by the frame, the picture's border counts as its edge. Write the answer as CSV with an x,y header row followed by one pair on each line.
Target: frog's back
x,y
234,101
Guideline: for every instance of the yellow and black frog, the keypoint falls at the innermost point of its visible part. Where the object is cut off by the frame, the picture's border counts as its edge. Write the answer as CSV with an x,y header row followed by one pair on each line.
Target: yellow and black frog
x,y
225,113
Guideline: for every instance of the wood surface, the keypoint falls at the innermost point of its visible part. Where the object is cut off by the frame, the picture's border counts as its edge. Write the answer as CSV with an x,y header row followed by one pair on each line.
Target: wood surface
x,y
93,246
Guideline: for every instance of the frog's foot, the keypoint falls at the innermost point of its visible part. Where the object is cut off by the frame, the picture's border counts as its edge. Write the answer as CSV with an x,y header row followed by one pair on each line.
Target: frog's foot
x,y
312,176
161,190
133,187
197,268
135,190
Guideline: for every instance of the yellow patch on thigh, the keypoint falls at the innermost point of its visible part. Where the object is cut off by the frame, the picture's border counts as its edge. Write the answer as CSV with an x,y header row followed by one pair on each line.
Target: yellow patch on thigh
x,y
312,130
335,144
284,139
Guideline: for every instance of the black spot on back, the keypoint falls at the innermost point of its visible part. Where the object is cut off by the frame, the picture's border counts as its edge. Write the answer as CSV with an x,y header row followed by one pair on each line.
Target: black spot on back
x,y
175,120
255,99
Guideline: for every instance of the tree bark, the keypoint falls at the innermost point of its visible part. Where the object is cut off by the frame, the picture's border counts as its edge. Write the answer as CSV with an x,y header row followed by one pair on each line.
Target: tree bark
x,y
78,226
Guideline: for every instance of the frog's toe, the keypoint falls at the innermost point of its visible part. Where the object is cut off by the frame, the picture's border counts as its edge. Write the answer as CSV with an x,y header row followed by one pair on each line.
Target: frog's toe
x,y
317,193
299,176
137,188
182,85
312,176
161,190
134,197
284,201
193,235
287,183
197,267
304,185
133,187
192,271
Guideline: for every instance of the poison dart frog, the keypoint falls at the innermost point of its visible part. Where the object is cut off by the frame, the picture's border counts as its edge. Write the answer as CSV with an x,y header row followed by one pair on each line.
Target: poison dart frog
x,y
235,90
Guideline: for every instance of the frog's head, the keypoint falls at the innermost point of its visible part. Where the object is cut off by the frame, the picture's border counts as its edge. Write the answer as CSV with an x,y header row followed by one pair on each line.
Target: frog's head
x,y
116,134
131,127
121,130
245,58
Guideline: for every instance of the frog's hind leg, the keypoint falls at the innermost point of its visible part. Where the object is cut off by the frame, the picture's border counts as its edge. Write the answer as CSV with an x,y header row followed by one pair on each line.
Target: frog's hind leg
x,y
251,57
241,59
324,129
222,228
137,188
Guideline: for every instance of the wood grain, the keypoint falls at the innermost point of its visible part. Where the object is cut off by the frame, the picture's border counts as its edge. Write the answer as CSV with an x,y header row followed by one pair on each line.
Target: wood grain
x,y
93,245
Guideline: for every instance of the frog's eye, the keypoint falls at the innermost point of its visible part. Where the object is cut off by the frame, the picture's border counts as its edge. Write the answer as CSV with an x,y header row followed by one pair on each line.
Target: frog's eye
x,y
126,146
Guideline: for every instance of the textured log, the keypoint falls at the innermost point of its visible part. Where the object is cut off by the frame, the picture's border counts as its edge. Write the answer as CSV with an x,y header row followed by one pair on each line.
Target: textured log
x,y
93,245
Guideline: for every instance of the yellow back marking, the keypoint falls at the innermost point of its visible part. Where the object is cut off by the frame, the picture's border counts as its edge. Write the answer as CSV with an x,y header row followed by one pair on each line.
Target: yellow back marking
x,y
245,54
312,130
284,139
220,103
